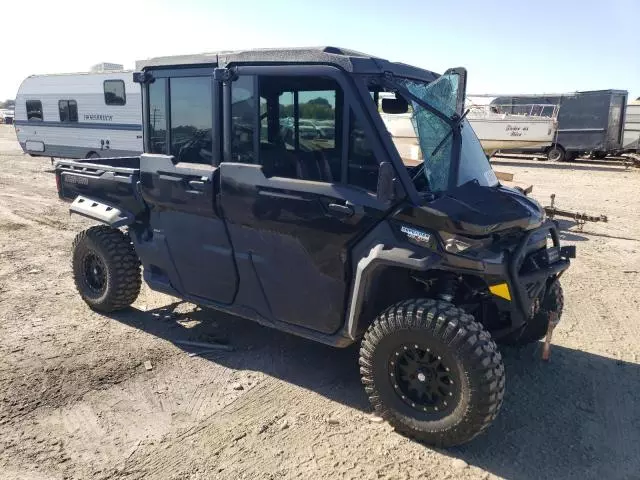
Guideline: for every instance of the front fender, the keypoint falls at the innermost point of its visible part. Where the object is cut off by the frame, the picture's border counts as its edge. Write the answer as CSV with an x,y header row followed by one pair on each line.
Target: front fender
x,y
380,256
101,211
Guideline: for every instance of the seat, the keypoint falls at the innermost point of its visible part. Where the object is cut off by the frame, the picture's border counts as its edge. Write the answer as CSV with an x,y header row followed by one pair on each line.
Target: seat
x,y
313,166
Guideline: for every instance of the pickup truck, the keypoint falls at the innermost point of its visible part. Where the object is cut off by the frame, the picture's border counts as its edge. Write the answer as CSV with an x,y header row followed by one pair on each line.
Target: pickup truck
x,y
270,189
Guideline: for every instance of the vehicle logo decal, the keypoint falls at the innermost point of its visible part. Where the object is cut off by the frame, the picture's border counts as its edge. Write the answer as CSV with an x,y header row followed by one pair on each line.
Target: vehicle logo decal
x,y
416,235
75,179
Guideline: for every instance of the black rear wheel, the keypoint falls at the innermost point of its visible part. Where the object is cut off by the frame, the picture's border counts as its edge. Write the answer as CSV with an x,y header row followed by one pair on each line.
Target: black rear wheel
x,y
106,269
432,371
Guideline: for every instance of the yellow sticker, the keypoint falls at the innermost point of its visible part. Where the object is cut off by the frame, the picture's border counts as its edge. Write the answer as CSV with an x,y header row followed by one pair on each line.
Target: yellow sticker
x,y
501,290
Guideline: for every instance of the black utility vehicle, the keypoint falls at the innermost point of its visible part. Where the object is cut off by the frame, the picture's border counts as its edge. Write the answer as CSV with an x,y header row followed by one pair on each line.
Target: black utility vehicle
x,y
270,189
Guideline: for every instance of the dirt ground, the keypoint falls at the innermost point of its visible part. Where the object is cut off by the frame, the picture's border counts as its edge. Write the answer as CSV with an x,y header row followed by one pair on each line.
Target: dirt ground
x,y
76,400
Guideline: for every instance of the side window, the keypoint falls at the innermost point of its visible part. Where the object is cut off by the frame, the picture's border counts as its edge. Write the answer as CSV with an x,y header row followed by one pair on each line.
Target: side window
x,y
362,164
243,119
301,120
68,110
317,118
157,118
114,93
191,119
287,122
34,110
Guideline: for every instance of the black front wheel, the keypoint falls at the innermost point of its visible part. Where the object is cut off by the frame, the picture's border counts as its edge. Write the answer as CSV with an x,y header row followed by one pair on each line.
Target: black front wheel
x,y
432,372
106,269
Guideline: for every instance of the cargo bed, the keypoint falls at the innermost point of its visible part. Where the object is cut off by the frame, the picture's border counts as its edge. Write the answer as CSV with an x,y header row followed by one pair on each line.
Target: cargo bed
x,y
113,181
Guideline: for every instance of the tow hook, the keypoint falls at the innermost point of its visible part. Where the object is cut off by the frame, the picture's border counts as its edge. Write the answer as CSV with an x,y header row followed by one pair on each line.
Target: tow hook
x,y
554,318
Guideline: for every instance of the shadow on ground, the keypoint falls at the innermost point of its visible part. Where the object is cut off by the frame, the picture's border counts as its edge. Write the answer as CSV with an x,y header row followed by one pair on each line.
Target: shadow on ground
x,y
577,416
569,231
564,227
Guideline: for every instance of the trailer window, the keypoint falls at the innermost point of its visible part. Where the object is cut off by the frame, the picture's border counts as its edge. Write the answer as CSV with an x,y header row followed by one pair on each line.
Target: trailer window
x,y
68,110
34,110
191,117
114,93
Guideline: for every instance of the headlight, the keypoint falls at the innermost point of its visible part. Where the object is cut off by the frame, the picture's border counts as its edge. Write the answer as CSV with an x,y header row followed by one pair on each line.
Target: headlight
x,y
458,243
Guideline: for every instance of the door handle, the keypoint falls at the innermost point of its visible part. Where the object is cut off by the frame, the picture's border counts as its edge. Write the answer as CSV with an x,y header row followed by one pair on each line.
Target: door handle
x,y
196,184
345,210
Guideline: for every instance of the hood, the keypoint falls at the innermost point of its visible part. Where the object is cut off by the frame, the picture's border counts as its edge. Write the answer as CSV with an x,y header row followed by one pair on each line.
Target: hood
x,y
472,209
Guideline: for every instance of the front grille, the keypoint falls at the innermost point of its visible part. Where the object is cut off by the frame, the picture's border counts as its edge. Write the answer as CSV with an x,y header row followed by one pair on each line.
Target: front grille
x,y
537,260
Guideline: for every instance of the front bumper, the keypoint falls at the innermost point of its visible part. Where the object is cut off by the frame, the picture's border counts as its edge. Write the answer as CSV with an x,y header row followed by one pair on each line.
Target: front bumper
x,y
528,285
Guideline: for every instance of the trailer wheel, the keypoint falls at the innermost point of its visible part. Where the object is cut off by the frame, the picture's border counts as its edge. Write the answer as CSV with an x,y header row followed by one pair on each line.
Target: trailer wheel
x,y
432,372
556,153
106,269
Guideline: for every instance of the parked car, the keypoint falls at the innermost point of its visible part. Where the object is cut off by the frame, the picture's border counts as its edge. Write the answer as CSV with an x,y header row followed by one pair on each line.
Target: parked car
x,y
6,116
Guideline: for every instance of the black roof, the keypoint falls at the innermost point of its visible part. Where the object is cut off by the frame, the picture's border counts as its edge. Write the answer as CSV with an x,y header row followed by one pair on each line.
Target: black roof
x,y
348,60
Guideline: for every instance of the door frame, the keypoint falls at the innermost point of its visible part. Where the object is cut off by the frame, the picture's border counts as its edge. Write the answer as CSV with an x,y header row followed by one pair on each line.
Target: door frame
x,y
351,92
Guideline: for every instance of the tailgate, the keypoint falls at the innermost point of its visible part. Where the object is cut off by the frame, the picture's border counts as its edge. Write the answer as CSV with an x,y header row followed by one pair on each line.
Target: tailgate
x,y
113,185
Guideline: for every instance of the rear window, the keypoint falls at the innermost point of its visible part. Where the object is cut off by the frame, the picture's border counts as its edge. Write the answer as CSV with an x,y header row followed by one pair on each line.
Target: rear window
x,y
34,110
114,93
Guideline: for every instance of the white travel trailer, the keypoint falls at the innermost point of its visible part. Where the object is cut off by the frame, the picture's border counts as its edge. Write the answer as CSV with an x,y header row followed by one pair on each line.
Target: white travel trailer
x,y
631,139
79,115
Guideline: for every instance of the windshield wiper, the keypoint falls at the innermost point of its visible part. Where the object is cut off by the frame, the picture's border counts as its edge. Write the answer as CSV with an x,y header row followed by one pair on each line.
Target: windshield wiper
x,y
456,124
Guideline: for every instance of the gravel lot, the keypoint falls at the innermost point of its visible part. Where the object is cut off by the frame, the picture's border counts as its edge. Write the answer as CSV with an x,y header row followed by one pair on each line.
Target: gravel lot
x,y
76,400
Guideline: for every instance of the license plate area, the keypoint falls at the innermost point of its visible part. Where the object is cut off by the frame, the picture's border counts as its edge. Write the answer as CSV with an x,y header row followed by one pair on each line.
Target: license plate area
x,y
552,255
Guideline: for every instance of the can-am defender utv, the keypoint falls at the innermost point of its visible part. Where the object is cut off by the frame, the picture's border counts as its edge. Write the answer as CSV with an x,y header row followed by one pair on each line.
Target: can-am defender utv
x,y
271,189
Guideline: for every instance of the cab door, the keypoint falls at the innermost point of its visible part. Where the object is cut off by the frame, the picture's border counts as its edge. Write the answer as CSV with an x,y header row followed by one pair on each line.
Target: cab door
x,y
297,189
180,183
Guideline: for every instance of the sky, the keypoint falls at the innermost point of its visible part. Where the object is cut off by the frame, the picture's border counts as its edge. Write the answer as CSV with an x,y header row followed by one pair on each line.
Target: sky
x,y
507,46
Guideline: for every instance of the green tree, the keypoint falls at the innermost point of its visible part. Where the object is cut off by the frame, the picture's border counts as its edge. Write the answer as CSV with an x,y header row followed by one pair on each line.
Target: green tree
x,y
320,101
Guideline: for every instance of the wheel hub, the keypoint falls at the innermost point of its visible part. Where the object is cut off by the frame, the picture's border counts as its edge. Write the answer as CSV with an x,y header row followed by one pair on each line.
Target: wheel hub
x,y
95,274
423,379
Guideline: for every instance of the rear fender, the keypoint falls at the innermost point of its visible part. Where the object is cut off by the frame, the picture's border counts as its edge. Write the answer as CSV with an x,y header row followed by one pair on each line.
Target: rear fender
x,y
101,212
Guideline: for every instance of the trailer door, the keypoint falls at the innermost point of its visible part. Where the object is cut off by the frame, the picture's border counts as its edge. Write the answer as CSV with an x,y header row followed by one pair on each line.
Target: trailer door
x,y
616,121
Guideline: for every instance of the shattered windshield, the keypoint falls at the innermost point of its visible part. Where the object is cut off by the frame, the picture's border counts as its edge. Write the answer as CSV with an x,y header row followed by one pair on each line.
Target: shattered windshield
x,y
431,130
425,140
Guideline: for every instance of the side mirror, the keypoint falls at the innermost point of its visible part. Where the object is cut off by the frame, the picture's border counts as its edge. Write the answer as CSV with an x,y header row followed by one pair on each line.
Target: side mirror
x,y
395,105
461,73
143,77
386,183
